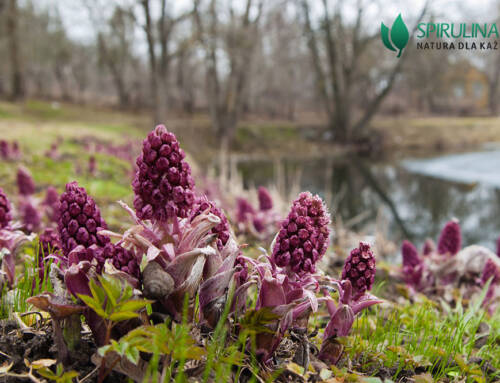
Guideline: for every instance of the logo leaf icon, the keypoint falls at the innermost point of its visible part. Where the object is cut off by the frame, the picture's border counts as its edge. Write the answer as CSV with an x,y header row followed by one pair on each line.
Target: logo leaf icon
x,y
399,34
384,31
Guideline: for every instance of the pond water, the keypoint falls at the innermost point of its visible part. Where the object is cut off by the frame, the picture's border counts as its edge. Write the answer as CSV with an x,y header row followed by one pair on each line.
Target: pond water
x,y
416,196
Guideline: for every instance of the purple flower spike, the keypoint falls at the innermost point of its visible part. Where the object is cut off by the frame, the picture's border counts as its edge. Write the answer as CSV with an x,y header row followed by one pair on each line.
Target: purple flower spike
x,y
359,269
79,219
498,246
304,235
25,182
51,202
51,196
92,165
244,210
121,258
490,270
163,185
265,200
5,210
450,240
222,229
30,216
429,247
4,150
412,264
16,152
410,254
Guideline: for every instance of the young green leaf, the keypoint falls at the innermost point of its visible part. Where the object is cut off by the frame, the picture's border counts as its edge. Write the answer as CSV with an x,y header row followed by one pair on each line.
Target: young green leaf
x,y
93,304
123,315
133,305
384,32
399,34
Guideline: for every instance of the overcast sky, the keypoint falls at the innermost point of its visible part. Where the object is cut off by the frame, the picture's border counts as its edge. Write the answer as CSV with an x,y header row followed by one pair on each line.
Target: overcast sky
x,y
79,27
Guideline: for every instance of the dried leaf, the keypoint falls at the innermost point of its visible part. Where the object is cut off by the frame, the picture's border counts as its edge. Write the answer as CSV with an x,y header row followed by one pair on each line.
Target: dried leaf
x,y
423,378
4,368
325,374
295,368
40,363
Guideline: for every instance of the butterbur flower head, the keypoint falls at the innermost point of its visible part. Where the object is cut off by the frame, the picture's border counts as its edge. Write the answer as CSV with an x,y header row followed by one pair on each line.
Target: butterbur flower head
x,y
244,209
15,149
450,240
25,183
30,216
429,247
163,185
259,224
222,229
4,149
5,210
410,254
79,219
304,235
359,269
491,270
265,200
51,201
412,264
121,258
51,196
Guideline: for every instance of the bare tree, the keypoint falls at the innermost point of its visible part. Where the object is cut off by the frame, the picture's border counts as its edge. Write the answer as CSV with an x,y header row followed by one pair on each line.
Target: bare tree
x,y
184,79
61,57
281,82
494,81
336,75
160,63
80,69
494,78
115,50
236,39
17,80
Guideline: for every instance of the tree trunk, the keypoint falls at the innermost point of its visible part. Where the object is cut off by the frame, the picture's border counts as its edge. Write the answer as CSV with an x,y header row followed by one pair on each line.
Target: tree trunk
x,y
152,63
61,79
2,11
493,89
17,80
185,87
116,73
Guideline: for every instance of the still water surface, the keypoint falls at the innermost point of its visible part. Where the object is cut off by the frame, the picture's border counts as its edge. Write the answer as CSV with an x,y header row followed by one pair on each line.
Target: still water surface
x,y
416,196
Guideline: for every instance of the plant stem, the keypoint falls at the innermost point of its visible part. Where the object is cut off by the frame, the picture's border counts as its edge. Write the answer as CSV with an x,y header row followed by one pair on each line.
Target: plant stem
x,y
103,372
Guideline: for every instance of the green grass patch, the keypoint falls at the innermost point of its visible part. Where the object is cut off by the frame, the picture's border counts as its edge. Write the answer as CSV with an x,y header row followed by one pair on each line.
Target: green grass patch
x,y
425,337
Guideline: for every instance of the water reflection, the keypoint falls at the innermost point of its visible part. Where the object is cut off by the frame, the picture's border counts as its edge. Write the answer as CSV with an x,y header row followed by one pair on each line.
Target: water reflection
x,y
416,205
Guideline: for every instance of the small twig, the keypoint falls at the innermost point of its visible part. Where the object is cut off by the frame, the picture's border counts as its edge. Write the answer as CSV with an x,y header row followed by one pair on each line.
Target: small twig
x,y
88,375
20,322
37,313
110,368
103,371
28,375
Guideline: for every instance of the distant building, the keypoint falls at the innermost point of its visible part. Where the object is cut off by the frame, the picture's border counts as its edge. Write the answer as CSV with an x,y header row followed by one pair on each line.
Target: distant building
x,y
467,88
456,88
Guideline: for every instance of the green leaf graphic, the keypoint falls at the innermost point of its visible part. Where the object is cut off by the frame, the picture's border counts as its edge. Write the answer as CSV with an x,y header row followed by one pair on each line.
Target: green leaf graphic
x,y
384,32
399,34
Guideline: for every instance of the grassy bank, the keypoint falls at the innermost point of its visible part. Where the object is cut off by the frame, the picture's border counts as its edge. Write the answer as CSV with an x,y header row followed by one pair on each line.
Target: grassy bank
x,y
435,134
254,135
